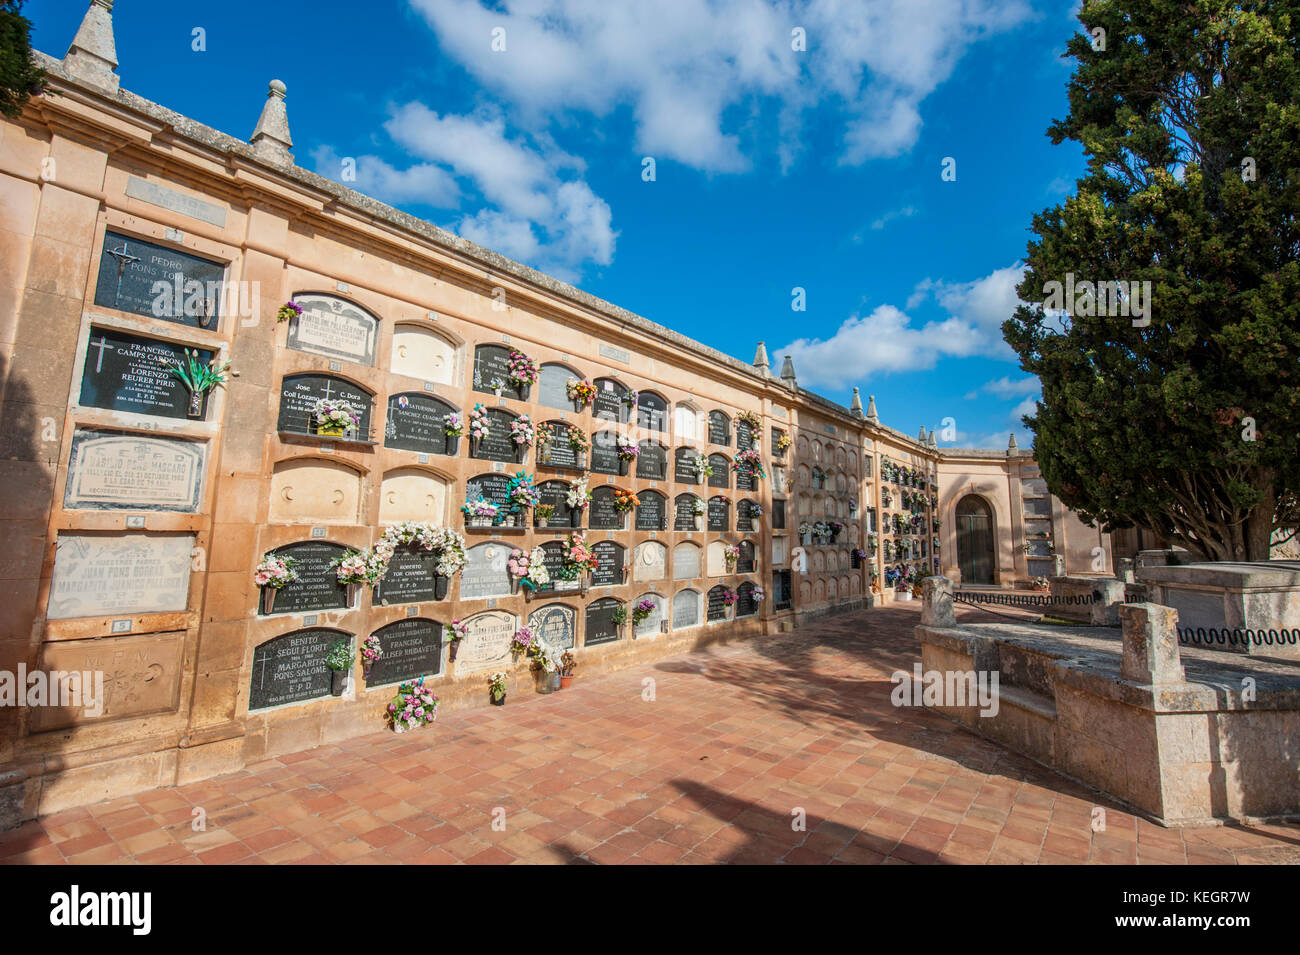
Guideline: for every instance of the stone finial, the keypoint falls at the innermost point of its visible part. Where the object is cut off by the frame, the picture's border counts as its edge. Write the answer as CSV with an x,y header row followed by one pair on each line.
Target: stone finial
x,y
936,603
920,435
760,357
856,405
1150,645
92,57
787,371
1011,445
271,137
871,410
933,443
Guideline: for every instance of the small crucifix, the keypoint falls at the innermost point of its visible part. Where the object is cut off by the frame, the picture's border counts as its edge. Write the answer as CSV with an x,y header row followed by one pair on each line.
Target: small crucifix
x,y
122,257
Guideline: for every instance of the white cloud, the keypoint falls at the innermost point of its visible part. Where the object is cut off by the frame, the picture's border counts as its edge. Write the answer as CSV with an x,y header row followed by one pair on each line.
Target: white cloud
x,y
888,340
1004,387
904,213
680,65
532,205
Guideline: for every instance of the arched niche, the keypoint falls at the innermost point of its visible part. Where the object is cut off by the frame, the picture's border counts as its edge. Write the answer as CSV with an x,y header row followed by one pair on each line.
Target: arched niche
x,y
553,385
491,364
556,623
688,422
686,561
599,626
652,411
747,562
719,514
485,573
417,422
715,562
291,668
649,561
652,462
314,491
746,605
652,514
652,624
414,494
721,476
609,403
487,643
421,352
333,327
688,609
684,512
299,394
719,428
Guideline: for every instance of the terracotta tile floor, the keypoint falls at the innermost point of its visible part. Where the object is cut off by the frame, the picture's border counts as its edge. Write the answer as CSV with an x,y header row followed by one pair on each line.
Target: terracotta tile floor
x,y
734,743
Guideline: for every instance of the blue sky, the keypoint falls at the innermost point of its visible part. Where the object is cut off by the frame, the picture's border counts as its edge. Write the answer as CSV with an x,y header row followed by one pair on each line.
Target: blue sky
x,y
774,168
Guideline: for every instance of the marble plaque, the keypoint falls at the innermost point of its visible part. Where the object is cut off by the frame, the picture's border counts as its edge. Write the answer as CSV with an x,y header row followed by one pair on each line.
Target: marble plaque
x,y
111,470
553,559
653,513
684,512
560,454
652,462
604,453
652,624
684,466
721,471
102,574
142,675
490,487
415,423
556,494
491,371
335,328
686,609
556,624
600,627
651,412
291,668
487,644
165,284
686,562
553,386
609,567
298,394
719,514
317,586
602,515
649,561
130,373
485,573
719,428
1197,608
411,648
717,607
176,201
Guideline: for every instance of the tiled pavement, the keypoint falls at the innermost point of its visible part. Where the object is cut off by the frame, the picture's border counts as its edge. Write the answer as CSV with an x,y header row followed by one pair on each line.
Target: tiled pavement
x,y
735,740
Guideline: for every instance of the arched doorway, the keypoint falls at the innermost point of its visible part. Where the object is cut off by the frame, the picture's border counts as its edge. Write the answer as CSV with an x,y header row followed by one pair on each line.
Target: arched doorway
x,y
975,540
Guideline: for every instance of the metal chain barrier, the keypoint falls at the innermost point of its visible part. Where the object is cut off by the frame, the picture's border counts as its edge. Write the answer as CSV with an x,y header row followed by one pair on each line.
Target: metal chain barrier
x,y
1237,637
1024,600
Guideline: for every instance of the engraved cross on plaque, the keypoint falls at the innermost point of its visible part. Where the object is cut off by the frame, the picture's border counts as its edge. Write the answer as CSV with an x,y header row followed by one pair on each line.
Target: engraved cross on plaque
x,y
99,359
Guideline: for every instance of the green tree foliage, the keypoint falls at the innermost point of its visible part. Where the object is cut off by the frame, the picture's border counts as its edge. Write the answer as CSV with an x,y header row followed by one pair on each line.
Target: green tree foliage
x,y
20,78
1189,115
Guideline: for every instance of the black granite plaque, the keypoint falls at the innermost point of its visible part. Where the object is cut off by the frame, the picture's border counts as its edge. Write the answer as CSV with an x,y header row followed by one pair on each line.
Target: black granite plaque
x,y
490,487
653,512
651,412
602,515
745,481
498,445
745,561
317,586
409,578
129,373
561,454
719,514
415,423
600,627
556,493
652,462
609,564
162,283
744,515
608,403
291,668
492,371
721,471
778,514
746,605
684,466
684,512
298,396
411,648
744,436
553,386
553,560
604,453
719,428
716,606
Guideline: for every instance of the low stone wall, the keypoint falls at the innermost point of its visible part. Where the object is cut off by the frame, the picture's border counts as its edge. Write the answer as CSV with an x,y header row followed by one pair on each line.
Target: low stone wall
x,y
1125,716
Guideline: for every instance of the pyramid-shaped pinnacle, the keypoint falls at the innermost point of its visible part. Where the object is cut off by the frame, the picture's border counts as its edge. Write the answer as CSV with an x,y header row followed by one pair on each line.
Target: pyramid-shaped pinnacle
x,y
872,416
271,137
92,57
1011,445
856,406
787,371
760,357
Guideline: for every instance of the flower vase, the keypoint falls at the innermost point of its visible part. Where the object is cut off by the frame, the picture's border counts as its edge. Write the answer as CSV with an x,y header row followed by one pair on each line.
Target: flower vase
x,y
474,445
514,586
582,460
498,700
575,517
453,444
544,455
699,522
365,670
521,454
477,521
622,467
440,584
338,682
399,726
452,649
543,522
543,681
352,595
268,600
524,391
195,409
330,431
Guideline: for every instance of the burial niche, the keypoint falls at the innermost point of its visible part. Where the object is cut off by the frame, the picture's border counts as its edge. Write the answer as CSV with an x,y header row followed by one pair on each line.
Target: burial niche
x,y
413,494
313,490
420,352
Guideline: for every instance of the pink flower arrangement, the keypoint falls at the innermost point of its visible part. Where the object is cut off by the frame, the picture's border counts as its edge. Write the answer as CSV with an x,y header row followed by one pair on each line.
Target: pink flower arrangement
x,y
275,571
628,451
370,649
520,369
522,641
478,422
459,630
415,705
729,596
522,431
518,563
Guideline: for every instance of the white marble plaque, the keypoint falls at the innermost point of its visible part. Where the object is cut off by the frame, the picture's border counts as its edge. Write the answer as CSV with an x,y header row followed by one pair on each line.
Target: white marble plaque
x,y
686,609
686,562
334,328
98,574
487,645
109,469
652,624
485,573
650,561
555,623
